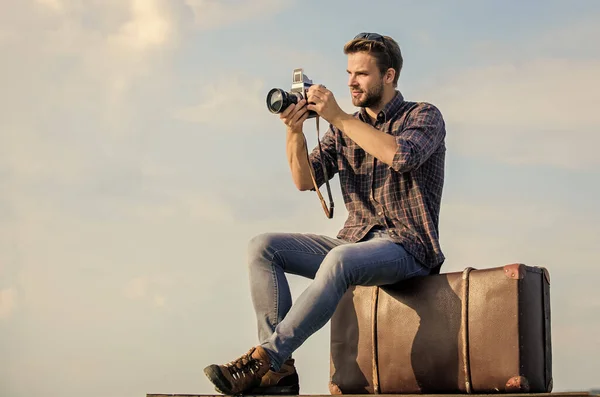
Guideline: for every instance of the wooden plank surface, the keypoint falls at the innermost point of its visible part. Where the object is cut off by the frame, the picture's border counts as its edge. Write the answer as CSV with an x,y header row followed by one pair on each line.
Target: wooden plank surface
x,y
558,394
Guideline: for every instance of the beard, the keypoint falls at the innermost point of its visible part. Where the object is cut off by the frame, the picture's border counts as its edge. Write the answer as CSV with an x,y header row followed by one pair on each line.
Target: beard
x,y
368,98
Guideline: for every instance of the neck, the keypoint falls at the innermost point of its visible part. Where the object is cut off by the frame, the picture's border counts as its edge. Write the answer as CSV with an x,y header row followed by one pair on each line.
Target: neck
x,y
388,95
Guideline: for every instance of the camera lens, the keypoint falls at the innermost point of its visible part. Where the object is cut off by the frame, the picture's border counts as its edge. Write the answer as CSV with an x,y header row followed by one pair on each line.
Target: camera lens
x,y
276,99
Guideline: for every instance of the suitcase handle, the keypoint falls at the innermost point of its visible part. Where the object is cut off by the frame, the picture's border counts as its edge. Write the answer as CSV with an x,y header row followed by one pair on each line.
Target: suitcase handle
x,y
465,329
374,302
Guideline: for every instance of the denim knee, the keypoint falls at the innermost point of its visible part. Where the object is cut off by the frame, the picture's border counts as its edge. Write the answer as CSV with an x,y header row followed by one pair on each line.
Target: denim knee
x,y
259,248
336,265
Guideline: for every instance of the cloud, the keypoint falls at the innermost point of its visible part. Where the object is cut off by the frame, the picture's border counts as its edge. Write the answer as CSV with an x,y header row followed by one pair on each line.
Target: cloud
x,y
68,108
55,5
538,111
77,55
149,25
32,157
216,14
543,92
8,302
227,101
160,301
203,208
148,288
136,288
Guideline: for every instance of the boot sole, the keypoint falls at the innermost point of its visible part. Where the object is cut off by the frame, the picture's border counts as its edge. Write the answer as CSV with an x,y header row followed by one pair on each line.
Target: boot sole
x,y
275,390
222,385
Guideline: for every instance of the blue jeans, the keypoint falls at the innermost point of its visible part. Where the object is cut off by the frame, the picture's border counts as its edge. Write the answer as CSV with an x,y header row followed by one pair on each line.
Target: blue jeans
x,y
333,264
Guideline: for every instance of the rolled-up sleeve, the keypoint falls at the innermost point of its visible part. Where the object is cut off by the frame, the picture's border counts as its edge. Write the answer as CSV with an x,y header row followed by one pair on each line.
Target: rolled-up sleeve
x,y
329,149
423,133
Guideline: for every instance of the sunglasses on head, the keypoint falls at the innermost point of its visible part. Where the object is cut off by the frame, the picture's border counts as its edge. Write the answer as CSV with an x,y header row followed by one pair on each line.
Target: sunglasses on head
x,y
371,36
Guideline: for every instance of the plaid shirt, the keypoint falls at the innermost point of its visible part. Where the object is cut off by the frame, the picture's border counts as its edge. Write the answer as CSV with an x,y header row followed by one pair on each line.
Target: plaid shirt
x,y
404,198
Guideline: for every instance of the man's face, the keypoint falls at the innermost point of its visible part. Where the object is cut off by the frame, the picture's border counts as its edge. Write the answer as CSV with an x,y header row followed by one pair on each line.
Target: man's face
x,y
365,80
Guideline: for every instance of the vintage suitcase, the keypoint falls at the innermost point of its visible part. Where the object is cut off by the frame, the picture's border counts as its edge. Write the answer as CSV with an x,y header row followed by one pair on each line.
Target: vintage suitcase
x,y
477,331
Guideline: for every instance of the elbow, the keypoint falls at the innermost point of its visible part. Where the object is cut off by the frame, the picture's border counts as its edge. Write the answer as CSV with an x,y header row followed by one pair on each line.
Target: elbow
x,y
402,166
407,158
403,162
390,157
303,186
395,159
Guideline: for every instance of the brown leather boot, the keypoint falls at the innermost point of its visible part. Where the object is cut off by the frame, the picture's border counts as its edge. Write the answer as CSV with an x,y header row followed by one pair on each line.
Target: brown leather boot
x,y
285,381
241,374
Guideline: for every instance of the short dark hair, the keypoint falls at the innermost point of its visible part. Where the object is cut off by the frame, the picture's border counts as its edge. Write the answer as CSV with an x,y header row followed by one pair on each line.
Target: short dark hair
x,y
387,54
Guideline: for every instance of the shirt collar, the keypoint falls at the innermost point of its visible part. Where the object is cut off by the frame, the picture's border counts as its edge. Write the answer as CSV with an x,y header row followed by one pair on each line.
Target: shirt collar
x,y
389,110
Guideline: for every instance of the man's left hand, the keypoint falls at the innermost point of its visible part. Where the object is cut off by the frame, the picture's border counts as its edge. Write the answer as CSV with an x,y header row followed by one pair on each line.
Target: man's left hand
x,y
322,101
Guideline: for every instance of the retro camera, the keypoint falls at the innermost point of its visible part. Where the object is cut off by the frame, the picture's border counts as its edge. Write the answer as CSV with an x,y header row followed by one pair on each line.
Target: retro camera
x,y
278,100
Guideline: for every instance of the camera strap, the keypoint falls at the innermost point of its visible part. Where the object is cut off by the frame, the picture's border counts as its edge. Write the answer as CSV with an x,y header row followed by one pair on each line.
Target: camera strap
x,y
328,211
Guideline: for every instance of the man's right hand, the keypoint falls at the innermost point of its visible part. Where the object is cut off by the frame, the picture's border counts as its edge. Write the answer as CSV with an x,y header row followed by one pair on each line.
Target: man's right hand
x,y
294,116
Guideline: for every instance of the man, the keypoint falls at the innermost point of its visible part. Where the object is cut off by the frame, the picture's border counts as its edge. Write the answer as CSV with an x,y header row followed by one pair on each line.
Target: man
x,y
390,159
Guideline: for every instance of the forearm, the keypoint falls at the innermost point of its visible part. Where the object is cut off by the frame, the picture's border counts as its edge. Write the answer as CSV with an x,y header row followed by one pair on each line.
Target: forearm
x,y
377,143
298,162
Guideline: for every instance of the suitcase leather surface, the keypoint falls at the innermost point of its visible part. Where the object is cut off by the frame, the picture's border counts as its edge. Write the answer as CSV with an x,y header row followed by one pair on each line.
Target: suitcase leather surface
x,y
477,331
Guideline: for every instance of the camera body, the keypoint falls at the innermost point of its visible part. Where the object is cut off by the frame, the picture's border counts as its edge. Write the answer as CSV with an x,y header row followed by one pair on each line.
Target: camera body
x,y
300,83
278,100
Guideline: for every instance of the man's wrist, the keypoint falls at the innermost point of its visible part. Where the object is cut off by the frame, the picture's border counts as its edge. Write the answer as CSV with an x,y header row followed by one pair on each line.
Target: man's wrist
x,y
338,121
296,138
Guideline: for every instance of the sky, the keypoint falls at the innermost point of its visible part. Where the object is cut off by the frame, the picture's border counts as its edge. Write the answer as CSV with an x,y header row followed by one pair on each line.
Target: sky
x,y
137,158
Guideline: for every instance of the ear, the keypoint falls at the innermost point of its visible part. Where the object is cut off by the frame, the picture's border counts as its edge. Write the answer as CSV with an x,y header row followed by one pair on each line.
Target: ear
x,y
389,76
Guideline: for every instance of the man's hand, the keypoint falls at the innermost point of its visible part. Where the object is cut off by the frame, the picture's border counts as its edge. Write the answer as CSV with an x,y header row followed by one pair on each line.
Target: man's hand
x,y
293,117
322,101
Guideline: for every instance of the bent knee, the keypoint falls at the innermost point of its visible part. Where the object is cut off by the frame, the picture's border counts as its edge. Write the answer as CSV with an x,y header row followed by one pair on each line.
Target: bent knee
x,y
260,245
337,263
341,254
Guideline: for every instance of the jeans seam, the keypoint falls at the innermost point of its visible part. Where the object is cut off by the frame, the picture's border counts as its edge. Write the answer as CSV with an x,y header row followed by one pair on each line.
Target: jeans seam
x,y
275,319
275,296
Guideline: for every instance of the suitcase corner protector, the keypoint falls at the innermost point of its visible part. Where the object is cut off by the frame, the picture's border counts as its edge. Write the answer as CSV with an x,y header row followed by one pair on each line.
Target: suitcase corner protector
x,y
515,271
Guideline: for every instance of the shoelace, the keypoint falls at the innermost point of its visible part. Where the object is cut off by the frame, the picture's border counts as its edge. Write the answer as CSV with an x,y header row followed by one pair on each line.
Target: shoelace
x,y
244,365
